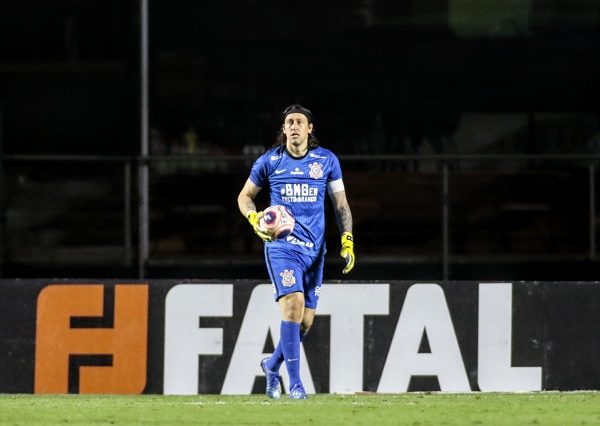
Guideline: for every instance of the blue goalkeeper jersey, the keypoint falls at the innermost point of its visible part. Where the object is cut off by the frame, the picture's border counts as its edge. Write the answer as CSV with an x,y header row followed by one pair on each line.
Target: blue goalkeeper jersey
x,y
300,185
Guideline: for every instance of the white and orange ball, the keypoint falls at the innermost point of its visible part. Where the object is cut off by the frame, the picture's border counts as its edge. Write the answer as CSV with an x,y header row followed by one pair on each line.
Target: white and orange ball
x,y
277,222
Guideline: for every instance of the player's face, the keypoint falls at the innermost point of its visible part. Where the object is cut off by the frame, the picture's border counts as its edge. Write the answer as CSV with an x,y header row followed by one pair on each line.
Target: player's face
x,y
297,129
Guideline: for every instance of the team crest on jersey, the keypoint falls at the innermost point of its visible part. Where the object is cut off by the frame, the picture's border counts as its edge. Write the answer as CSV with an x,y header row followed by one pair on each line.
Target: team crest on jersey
x,y
316,170
288,278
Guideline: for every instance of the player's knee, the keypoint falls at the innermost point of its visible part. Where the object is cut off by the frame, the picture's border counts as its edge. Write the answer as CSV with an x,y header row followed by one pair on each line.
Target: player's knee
x,y
292,307
292,316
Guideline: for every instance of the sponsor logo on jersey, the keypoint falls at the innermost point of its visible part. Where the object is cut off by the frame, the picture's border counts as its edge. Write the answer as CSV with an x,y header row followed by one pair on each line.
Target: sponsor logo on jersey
x,y
299,192
275,157
294,240
297,172
316,155
287,278
316,170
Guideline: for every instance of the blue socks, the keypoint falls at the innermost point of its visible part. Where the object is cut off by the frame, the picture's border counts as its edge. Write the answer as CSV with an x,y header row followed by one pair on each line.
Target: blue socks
x,y
275,361
288,349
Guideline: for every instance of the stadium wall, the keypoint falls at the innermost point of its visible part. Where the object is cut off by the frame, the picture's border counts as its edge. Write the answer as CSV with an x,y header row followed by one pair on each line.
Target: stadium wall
x,y
190,337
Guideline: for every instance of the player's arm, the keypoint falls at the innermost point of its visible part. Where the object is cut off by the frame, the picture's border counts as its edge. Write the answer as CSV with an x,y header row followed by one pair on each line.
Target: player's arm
x,y
248,208
247,196
343,216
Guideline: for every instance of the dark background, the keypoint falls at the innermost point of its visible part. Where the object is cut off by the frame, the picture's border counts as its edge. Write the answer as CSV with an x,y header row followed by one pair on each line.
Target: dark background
x,y
381,77
69,75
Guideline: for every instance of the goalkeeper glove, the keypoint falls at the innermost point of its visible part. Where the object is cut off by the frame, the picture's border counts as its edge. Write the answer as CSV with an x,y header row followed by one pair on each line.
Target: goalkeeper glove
x,y
347,251
254,219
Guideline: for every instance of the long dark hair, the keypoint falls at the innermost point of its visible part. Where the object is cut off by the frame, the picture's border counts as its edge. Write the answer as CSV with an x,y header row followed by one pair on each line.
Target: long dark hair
x,y
313,142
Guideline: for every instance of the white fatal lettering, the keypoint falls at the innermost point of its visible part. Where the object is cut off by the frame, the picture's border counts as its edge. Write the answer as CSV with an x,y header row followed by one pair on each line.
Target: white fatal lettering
x,y
348,305
184,339
495,373
262,317
424,309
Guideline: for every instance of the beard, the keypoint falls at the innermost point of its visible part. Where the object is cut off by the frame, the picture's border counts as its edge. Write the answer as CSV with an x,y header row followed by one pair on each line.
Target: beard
x,y
297,142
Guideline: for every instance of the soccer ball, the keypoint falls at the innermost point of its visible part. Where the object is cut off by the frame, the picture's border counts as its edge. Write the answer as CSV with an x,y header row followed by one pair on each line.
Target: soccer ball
x,y
277,222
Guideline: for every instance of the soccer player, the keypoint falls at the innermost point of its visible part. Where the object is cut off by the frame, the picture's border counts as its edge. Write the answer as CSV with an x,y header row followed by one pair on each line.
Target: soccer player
x,y
298,172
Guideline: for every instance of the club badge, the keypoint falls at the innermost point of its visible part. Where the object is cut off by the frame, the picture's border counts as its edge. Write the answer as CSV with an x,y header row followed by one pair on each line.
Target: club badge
x,y
316,170
288,278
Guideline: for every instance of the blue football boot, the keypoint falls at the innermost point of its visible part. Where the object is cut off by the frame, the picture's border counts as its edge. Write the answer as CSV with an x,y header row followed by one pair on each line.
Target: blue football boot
x,y
298,392
273,381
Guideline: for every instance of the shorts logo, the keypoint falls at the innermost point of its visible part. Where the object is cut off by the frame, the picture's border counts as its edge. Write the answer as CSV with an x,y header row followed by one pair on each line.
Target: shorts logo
x,y
288,278
316,170
318,291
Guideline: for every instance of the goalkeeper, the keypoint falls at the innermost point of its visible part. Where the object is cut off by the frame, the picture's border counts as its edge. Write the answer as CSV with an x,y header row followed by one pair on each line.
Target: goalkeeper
x,y
298,173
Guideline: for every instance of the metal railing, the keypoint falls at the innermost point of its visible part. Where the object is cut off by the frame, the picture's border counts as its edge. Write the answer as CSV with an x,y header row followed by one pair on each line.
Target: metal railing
x,y
446,166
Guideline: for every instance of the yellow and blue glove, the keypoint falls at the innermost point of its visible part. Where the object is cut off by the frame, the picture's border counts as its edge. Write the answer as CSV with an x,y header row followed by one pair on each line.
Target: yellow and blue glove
x,y
347,251
254,219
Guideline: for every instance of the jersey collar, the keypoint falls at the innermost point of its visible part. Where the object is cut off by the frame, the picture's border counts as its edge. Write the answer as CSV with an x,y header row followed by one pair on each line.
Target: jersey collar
x,y
296,158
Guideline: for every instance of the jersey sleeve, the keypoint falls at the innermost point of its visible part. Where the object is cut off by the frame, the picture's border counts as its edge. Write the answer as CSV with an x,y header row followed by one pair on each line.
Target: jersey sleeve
x,y
260,171
336,169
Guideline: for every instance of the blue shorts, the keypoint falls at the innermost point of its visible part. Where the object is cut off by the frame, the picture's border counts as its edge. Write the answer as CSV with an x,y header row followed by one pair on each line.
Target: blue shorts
x,y
291,271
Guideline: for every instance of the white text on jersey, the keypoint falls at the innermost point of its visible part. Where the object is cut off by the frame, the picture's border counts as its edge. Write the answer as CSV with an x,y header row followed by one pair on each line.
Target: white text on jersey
x,y
299,193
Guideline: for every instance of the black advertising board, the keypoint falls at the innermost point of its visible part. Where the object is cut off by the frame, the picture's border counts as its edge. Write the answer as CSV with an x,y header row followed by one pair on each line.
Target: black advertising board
x,y
191,337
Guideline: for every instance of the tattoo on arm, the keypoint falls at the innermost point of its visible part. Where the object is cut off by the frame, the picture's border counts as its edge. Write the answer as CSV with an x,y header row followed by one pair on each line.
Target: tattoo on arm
x,y
343,216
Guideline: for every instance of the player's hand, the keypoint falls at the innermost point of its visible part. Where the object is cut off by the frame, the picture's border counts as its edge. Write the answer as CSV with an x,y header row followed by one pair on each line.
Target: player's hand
x,y
347,251
254,218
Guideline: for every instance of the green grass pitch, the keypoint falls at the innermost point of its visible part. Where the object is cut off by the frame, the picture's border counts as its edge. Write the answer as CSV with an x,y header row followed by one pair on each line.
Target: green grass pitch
x,y
540,408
